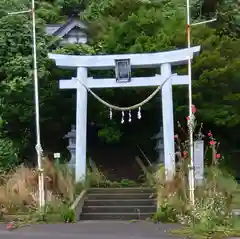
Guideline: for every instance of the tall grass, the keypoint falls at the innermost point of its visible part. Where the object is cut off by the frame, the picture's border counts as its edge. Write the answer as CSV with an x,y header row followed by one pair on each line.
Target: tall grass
x,y
19,187
96,178
213,199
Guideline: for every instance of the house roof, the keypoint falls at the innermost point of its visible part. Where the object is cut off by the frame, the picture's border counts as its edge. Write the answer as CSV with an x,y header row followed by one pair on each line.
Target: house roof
x,y
68,26
54,25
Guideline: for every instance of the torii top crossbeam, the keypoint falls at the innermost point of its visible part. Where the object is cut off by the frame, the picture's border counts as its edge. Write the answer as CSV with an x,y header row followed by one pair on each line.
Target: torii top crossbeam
x,y
143,60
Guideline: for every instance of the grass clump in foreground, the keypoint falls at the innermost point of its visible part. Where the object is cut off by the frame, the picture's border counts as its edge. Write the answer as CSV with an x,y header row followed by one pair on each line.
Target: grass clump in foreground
x,y
211,216
19,197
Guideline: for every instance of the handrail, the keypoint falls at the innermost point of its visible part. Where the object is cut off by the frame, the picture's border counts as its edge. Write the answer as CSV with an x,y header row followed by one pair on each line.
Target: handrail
x,y
78,203
146,172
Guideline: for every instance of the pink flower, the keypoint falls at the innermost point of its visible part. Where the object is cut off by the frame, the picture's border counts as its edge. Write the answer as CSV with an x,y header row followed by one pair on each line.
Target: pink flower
x,y
218,156
212,142
185,153
209,134
194,109
188,118
10,226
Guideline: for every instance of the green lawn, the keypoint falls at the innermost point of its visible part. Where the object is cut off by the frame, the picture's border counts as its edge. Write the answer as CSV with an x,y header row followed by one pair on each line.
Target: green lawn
x,y
216,234
236,199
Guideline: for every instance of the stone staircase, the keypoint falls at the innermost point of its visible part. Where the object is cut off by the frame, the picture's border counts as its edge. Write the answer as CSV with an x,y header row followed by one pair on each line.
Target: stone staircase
x,y
119,204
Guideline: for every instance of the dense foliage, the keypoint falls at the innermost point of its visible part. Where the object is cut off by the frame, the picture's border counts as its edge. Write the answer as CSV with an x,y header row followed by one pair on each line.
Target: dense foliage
x,y
117,26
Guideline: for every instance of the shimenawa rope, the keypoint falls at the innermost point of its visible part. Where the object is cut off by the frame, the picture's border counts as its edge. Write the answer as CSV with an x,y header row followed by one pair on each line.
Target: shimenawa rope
x,y
118,108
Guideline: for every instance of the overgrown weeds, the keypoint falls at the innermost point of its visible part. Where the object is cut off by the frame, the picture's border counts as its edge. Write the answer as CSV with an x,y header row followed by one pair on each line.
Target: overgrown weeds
x,y
19,192
211,216
213,202
19,188
96,178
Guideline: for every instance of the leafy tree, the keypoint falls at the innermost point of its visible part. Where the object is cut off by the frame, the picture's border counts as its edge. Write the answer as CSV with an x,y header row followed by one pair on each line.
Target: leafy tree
x,y
117,26
227,13
17,91
70,7
8,155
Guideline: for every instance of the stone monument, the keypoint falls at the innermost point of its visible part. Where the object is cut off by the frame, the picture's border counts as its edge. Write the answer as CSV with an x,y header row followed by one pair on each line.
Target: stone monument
x,y
71,136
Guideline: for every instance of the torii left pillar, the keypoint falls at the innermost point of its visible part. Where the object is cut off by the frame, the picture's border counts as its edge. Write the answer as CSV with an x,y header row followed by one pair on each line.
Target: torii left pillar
x,y
81,125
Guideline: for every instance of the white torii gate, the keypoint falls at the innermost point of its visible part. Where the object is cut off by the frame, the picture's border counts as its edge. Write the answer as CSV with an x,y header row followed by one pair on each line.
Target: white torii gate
x,y
163,60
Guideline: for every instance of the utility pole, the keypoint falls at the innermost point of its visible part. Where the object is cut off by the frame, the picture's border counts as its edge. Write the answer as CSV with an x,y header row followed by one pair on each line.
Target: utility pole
x,y
191,115
37,115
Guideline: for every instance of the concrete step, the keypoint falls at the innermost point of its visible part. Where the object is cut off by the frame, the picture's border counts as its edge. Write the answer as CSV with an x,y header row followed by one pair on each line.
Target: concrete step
x,y
115,216
119,196
119,209
122,190
121,202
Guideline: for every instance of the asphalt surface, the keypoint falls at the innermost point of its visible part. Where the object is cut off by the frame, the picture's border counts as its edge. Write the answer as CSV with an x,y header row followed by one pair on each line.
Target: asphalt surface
x,y
91,230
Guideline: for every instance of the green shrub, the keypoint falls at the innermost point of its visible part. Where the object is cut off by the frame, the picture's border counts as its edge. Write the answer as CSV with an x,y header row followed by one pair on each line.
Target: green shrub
x,y
165,213
60,209
127,183
68,214
8,155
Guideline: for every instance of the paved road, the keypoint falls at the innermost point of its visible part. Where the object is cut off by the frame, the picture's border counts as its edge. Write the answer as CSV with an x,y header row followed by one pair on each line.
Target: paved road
x,y
91,230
